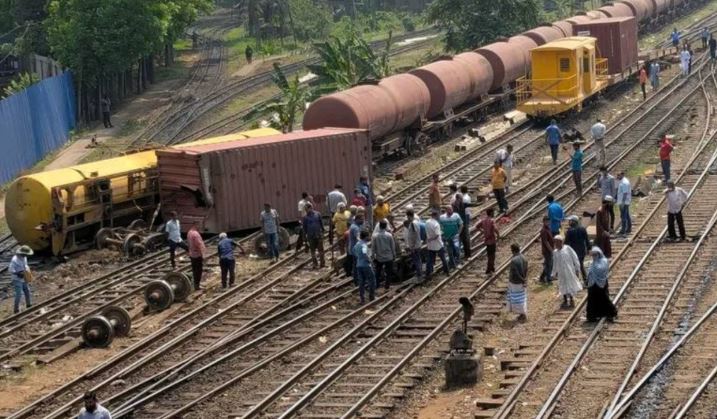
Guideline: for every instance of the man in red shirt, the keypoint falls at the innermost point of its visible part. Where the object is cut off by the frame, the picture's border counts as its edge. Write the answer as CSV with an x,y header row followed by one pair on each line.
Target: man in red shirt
x,y
547,246
196,254
490,238
665,150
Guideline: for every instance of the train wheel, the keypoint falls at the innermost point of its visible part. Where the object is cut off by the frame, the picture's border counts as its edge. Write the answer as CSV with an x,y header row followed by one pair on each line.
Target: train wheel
x,y
122,321
104,237
132,245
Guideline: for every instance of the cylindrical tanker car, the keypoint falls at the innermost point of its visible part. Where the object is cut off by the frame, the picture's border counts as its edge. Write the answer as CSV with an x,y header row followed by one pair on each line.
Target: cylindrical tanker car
x,y
62,210
406,111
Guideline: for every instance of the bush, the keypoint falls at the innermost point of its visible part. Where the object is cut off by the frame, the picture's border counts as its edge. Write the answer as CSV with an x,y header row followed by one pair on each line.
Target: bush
x,y
408,24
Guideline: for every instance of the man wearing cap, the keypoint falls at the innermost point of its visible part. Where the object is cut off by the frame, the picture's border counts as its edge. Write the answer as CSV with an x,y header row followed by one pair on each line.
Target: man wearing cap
x,y
608,187
676,199
566,268
624,199
603,226
597,131
577,238
20,274
174,237
225,249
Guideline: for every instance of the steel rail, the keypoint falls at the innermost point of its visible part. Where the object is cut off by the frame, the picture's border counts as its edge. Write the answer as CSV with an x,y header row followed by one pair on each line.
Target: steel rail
x,y
624,403
550,403
696,394
663,309
332,376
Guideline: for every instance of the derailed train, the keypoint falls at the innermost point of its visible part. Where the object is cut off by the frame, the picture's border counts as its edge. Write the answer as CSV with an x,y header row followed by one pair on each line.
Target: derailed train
x,y
406,111
62,210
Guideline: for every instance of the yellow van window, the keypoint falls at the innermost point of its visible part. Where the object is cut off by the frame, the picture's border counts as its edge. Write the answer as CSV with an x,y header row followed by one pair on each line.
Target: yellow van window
x,y
565,65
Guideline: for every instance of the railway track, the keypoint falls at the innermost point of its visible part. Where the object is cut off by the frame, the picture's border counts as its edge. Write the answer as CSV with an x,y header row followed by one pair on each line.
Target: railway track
x,y
529,372
166,402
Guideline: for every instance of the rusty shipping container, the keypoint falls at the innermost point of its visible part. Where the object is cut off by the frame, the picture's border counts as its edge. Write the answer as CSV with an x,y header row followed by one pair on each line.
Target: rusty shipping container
x,y
223,187
616,41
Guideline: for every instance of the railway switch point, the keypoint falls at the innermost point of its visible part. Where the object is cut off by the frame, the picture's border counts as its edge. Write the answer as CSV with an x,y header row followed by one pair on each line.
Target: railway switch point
x,y
100,331
174,287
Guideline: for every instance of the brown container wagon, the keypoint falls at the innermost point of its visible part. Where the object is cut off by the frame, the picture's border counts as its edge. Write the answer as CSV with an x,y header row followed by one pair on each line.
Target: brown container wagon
x,y
616,41
223,187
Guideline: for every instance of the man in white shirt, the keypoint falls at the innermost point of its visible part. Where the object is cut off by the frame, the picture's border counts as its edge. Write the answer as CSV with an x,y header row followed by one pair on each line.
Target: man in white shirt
x,y
333,199
505,157
598,133
434,243
676,199
174,237
305,200
624,199
92,409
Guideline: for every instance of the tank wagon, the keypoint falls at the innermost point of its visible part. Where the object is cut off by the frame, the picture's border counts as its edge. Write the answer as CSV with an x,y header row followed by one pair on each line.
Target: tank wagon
x,y
62,210
405,112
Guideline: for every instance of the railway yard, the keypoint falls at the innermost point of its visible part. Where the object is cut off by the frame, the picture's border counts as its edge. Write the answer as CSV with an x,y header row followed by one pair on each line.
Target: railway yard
x,y
111,315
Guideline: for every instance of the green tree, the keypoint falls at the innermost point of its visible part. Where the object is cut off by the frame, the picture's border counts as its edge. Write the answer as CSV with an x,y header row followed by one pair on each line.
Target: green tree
x,y
290,103
349,60
22,82
311,19
7,18
470,23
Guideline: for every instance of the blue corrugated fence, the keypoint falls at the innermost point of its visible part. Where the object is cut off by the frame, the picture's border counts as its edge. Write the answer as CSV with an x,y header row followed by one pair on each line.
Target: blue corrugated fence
x,y
35,122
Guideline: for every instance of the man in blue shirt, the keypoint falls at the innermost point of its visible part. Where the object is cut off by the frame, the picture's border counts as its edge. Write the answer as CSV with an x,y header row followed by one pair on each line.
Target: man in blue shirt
x,y
366,277
675,36
576,159
226,258
552,136
314,231
555,214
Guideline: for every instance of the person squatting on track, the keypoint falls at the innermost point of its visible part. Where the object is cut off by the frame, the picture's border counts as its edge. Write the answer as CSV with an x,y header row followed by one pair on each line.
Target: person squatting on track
x,y
196,254
666,148
566,269
92,409
491,235
546,246
676,199
624,199
505,157
599,303
227,264
576,165
576,237
434,244
313,226
517,294
366,278
414,242
452,226
552,137
555,214
20,276
597,131
269,219
603,228
608,187
498,180
174,237
384,254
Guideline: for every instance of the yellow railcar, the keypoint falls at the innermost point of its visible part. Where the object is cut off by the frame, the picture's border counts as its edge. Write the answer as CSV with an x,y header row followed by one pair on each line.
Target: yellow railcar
x,y
564,74
62,210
